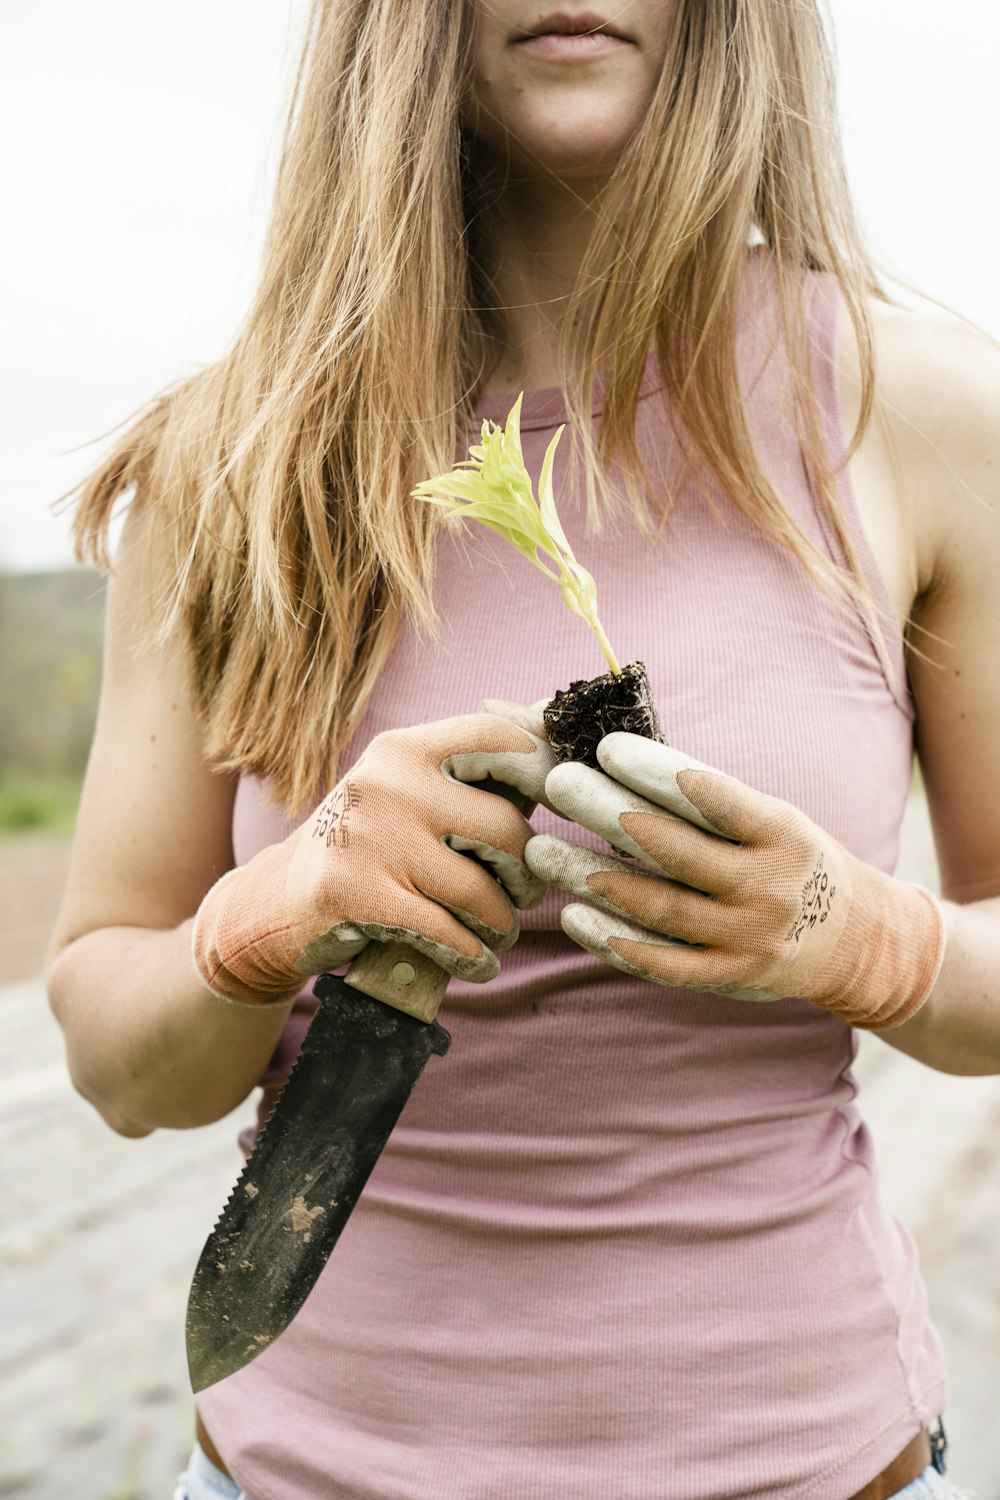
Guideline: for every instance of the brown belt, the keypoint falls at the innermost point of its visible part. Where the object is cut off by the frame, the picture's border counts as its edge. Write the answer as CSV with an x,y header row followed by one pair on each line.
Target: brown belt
x,y
903,1470
207,1447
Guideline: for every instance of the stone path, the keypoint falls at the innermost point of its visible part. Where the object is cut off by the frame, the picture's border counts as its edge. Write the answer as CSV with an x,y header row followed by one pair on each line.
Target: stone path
x,y
99,1235
33,869
97,1242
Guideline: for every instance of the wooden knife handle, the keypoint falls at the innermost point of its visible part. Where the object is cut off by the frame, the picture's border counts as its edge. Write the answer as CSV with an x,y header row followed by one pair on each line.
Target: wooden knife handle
x,y
401,977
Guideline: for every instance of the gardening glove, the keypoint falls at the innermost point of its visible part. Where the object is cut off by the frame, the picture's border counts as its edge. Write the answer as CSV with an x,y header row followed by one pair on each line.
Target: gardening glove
x,y
529,718
737,892
380,858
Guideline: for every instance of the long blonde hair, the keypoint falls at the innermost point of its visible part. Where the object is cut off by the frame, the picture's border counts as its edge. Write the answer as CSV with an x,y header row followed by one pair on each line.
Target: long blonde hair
x,y
281,475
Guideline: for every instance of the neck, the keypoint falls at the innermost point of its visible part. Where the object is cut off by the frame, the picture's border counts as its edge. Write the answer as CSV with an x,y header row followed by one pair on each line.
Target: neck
x,y
537,237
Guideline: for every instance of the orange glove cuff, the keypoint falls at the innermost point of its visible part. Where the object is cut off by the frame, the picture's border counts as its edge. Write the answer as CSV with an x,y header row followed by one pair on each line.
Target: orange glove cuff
x,y
889,955
237,944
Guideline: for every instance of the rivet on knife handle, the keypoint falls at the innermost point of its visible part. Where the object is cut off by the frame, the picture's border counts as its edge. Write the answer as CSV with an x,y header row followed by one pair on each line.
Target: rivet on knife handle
x,y
401,977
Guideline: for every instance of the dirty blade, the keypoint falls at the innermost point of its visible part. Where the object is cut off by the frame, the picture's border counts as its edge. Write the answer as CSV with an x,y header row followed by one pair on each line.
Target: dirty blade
x,y
358,1064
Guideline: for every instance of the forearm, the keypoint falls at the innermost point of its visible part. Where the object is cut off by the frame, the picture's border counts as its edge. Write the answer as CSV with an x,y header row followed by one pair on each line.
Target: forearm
x,y
957,1030
147,1044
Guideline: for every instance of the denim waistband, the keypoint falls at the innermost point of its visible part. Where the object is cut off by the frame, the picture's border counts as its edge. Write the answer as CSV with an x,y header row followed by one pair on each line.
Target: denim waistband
x,y
201,1480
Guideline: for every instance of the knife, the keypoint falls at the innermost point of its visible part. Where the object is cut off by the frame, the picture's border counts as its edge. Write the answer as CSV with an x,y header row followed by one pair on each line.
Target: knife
x,y
366,1046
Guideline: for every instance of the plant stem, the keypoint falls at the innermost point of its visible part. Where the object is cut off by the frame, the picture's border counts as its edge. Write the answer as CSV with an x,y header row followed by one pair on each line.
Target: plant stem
x,y
605,644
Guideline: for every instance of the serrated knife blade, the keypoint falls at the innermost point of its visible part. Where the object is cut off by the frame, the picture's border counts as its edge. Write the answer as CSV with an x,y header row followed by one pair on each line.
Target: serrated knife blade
x,y
356,1069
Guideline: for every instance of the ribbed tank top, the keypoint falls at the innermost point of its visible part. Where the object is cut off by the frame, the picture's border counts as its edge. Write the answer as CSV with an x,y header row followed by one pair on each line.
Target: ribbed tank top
x,y
626,1242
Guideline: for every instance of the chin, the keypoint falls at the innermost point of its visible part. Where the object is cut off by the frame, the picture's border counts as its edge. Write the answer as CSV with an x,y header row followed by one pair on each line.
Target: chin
x,y
572,153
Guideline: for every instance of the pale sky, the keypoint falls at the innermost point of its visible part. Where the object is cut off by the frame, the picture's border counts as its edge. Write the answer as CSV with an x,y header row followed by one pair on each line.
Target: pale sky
x,y
136,145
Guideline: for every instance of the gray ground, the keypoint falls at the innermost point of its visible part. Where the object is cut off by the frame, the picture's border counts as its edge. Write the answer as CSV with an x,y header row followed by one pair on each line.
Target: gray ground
x,y
99,1236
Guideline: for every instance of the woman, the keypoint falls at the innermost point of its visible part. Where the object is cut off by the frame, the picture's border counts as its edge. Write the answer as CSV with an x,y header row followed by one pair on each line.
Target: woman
x,y
625,1240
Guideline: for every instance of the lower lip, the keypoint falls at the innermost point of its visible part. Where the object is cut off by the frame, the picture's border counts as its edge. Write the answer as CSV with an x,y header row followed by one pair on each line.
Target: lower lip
x,y
588,46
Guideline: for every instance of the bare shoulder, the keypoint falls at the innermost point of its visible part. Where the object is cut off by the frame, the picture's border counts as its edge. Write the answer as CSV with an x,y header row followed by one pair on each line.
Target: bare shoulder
x,y
917,348
938,412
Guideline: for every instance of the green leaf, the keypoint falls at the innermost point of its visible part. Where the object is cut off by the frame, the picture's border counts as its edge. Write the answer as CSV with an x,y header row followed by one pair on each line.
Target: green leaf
x,y
493,486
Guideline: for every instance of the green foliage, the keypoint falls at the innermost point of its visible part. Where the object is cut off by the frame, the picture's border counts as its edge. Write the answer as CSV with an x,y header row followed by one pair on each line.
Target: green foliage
x,y
51,626
45,803
493,486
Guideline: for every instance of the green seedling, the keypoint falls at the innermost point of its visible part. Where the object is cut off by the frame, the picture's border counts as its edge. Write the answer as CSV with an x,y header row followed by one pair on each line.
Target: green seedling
x,y
493,486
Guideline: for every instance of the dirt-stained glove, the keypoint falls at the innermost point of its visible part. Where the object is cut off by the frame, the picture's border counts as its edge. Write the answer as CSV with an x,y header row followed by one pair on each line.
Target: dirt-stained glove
x,y
738,892
382,857
527,716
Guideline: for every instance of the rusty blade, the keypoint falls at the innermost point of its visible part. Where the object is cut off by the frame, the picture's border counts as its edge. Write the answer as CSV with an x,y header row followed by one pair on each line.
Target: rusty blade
x,y
358,1064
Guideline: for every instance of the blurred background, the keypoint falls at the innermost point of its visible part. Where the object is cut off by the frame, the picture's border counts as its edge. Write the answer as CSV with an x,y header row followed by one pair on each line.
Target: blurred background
x,y
137,151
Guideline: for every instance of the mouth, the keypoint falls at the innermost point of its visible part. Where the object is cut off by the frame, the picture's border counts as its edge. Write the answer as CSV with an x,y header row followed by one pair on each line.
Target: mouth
x,y
585,24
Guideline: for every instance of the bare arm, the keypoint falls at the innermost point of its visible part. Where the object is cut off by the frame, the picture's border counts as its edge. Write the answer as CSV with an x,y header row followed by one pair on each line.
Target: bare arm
x,y
147,1043
940,385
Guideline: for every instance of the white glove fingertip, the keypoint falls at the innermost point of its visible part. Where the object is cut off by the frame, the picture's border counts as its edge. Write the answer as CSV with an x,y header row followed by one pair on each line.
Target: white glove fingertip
x,y
554,860
525,716
522,885
570,866
586,796
597,802
651,769
527,894
476,970
524,770
592,930
492,938
586,926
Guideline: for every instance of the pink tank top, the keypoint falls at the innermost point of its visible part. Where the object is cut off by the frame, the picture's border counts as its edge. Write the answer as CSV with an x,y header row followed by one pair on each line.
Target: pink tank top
x,y
626,1242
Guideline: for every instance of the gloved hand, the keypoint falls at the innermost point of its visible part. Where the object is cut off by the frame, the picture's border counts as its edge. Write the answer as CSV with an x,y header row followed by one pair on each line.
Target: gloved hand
x,y
529,717
380,858
737,892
